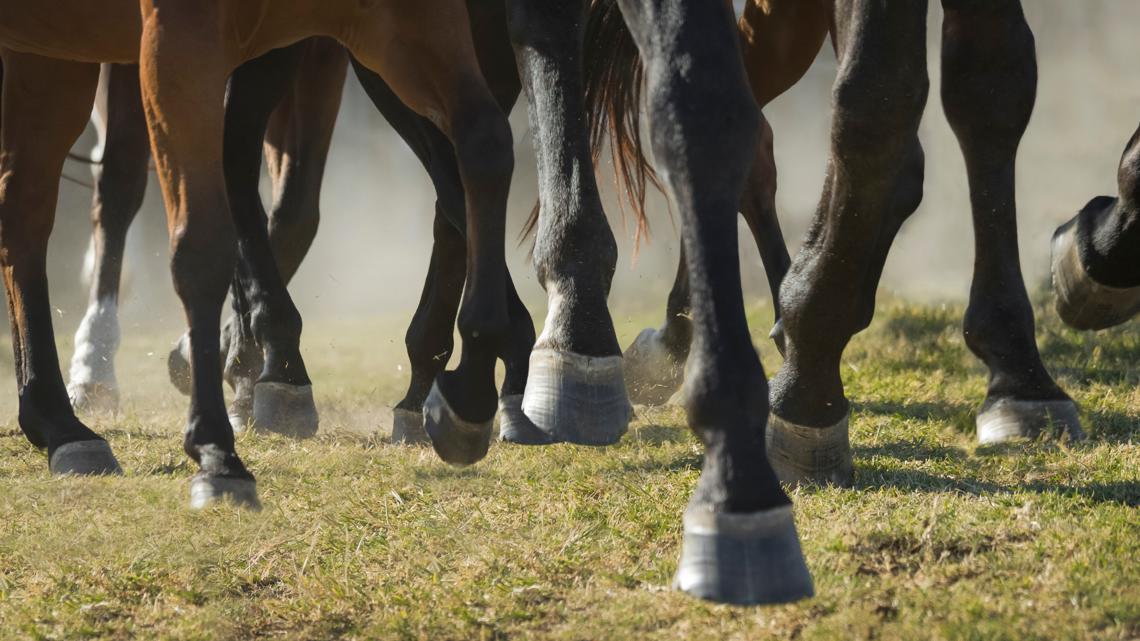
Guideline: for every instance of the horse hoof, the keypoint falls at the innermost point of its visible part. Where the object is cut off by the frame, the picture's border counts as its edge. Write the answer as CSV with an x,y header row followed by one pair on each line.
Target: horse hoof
x,y
84,458
577,399
1083,303
743,559
1006,420
801,454
241,410
408,427
284,409
455,440
178,365
652,374
777,336
207,489
515,427
94,397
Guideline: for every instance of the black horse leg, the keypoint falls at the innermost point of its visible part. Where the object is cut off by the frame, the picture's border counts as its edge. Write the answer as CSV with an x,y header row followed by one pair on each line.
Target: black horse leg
x,y
283,398
740,542
120,184
874,182
575,391
989,82
45,108
1096,275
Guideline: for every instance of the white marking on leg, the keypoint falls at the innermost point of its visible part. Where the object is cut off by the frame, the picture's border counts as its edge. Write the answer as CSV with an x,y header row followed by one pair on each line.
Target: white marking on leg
x,y
96,342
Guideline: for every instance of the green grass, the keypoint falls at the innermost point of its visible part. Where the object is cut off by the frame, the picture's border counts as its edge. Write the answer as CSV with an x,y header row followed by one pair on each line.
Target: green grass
x,y
360,539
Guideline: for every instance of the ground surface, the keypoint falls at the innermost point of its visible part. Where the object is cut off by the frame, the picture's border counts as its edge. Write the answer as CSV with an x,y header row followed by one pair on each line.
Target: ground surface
x,y
361,539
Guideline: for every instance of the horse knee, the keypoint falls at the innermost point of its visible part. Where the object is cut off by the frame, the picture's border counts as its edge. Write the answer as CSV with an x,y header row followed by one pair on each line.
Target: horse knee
x,y
202,260
877,111
484,145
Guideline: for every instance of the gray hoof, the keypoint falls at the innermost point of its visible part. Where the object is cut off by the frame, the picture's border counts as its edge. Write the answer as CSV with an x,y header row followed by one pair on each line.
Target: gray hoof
x,y
1082,302
207,489
577,399
94,397
1007,420
284,409
241,410
652,374
801,454
84,458
408,427
178,365
777,336
743,559
455,440
515,427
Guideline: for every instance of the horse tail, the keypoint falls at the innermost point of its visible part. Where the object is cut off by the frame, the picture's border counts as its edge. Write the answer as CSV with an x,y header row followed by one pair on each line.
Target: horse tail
x,y
613,81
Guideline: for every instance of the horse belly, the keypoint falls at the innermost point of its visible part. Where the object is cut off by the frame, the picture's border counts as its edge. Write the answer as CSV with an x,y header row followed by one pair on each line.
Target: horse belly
x,y
81,30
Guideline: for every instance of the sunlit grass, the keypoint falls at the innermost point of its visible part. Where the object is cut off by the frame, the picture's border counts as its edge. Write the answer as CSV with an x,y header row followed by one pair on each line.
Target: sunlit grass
x,y
360,539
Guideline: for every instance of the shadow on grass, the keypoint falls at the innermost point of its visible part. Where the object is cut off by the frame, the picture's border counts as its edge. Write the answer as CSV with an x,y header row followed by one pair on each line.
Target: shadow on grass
x,y
870,477
655,434
924,411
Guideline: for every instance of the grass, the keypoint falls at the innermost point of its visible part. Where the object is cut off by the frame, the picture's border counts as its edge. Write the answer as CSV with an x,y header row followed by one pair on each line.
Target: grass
x,y
360,539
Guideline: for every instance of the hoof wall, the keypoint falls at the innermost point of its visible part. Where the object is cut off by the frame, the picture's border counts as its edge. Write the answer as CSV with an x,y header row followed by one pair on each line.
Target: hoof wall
x,y
1007,420
515,427
84,458
455,440
1082,302
652,374
207,489
408,427
577,399
178,365
743,559
801,454
94,397
284,409
777,336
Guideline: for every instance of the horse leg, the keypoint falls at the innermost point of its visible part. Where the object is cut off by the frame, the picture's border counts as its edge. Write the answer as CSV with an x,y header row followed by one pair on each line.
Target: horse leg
x,y
120,184
264,362
989,83
460,407
1095,272
46,103
874,183
183,70
654,363
576,391
740,542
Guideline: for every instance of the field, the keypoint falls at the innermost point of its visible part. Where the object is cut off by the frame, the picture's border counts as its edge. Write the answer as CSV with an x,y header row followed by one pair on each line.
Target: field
x,y
361,539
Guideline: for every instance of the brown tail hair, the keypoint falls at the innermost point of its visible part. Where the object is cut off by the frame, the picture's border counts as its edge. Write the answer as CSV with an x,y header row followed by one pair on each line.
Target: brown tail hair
x,y
613,81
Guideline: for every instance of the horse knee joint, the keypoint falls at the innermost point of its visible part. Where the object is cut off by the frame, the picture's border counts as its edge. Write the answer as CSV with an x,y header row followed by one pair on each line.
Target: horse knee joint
x,y
484,144
875,116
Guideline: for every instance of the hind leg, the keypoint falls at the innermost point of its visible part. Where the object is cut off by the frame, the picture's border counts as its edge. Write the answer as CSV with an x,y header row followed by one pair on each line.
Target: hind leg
x,y
183,72
988,106
45,107
740,542
120,184
1095,272
874,183
576,391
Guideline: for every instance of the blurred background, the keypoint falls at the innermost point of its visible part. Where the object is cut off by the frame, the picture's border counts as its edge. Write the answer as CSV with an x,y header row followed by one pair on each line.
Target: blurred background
x,y
371,252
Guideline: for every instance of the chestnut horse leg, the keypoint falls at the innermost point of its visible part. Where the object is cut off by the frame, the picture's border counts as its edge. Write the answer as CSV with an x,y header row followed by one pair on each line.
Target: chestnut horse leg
x,y
874,183
183,70
460,406
1095,272
576,391
989,83
120,184
740,541
779,43
46,104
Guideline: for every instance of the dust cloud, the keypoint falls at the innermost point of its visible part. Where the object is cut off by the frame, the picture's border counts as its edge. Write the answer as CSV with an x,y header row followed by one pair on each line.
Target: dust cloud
x,y
371,252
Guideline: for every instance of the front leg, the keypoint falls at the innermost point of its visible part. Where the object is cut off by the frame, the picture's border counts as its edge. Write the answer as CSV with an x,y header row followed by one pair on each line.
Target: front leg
x,y
575,391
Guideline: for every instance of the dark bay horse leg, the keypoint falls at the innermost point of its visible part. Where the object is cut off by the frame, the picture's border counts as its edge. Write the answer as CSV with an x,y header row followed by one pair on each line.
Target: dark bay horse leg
x,y
874,183
989,82
575,391
120,184
1096,273
740,541
778,43
46,104
183,67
